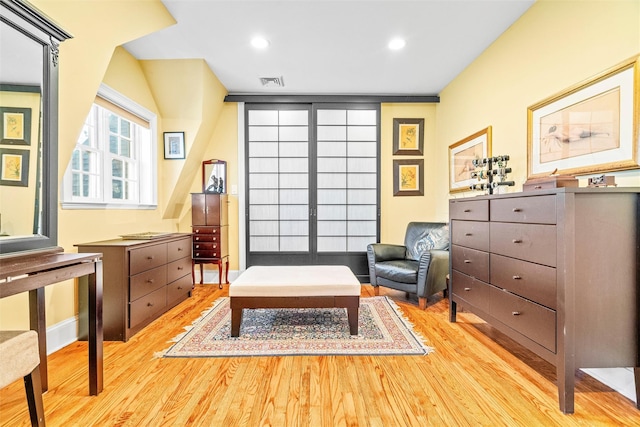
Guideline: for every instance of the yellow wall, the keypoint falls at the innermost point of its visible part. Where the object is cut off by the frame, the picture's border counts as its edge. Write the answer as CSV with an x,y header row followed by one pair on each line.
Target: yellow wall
x,y
553,46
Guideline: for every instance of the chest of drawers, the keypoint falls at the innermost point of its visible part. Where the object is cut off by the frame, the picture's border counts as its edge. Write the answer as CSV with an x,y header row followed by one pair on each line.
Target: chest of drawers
x,y
210,226
555,270
142,280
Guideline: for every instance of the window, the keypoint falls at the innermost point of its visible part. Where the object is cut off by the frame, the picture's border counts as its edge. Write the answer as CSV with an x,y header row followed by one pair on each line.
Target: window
x,y
113,163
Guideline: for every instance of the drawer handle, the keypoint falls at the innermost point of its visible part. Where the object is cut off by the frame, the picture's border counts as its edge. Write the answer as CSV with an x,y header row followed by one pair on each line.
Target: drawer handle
x,y
149,304
179,287
517,240
197,230
517,210
197,238
517,277
468,234
467,261
515,313
215,238
179,249
149,280
537,187
215,231
150,257
467,210
180,268
197,246
467,289
197,254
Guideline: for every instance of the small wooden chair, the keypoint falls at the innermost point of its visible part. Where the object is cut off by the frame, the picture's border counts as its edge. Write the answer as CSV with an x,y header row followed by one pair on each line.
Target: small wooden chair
x,y
19,357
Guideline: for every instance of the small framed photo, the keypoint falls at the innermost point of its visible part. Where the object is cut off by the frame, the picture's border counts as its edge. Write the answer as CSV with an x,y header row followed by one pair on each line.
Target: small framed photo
x,y
14,167
461,157
408,136
174,145
408,177
15,126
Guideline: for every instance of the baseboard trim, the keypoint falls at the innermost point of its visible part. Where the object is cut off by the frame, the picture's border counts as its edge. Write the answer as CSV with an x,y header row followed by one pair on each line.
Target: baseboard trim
x,y
62,334
211,276
619,379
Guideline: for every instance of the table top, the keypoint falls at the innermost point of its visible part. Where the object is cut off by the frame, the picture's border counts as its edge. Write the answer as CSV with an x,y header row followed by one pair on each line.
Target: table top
x,y
37,262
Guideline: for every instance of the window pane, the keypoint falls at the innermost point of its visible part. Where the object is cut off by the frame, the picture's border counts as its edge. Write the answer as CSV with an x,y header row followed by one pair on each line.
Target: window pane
x,y
75,160
89,162
116,168
86,186
113,123
75,184
113,144
125,128
125,148
116,189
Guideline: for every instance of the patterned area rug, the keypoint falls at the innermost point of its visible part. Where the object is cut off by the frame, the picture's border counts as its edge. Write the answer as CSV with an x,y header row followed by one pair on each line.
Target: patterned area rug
x,y
304,331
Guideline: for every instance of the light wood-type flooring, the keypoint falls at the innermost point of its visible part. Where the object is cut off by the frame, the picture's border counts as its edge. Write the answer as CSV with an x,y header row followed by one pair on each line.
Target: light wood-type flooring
x,y
476,377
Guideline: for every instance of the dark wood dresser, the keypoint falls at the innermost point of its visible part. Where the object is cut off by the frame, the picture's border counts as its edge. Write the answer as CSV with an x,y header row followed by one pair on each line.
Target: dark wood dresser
x,y
210,226
142,280
555,270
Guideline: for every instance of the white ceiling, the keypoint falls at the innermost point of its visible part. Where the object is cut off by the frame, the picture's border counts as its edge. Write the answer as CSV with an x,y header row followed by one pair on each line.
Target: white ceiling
x,y
330,46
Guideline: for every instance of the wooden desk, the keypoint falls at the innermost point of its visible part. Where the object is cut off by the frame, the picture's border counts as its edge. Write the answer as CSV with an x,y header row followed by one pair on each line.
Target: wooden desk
x,y
32,272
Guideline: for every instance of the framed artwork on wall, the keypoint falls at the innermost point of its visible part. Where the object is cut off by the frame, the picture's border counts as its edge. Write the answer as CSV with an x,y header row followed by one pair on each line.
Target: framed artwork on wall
x,y
588,128
15,126
461,156
174,145
14,167
408,136
408,177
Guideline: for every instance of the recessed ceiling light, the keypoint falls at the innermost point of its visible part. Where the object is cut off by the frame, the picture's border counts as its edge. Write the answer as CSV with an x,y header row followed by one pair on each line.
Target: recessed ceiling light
x,y
397,44
259,42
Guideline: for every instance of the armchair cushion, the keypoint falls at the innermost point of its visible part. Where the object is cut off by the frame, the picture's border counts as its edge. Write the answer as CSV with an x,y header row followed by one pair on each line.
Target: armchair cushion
x,y
399,270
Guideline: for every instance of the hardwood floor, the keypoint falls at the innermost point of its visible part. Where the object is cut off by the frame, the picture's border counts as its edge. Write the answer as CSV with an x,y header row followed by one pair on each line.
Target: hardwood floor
x,y
469,380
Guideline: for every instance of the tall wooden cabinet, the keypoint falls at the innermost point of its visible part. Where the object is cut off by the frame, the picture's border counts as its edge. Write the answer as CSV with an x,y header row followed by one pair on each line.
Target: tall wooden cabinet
x,y
142,280
555,270
210,227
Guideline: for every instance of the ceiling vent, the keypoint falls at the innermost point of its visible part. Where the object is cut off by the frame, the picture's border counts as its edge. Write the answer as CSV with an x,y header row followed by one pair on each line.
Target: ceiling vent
x,y
272,81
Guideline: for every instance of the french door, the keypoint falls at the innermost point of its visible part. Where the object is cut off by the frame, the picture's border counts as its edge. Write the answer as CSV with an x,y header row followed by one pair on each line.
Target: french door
x,y
312,184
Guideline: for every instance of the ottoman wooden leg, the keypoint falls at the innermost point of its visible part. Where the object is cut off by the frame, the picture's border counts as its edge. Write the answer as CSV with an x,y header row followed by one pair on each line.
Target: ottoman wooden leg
x,y
236,320
352,315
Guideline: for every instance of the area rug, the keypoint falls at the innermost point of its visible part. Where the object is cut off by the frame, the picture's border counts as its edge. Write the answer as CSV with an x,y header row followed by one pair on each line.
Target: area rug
x,y
382,330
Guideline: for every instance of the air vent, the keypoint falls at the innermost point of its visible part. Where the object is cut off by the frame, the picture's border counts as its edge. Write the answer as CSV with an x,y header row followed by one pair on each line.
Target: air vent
x,y
272,81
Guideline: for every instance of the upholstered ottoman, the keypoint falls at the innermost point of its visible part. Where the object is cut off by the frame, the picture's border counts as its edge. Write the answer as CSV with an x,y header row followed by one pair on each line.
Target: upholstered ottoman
x,y
308,286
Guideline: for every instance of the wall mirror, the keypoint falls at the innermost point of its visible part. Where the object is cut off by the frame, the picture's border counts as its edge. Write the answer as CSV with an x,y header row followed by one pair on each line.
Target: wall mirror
x,y
214,176
29,44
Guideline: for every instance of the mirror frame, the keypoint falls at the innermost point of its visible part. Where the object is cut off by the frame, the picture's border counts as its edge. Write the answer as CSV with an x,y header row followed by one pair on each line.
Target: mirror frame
x,y
34,24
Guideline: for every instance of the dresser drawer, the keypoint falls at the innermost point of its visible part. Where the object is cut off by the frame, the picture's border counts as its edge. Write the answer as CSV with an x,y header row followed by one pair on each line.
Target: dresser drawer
x,y
471,262
531,320
471,234
206,238
206,246
179,268
147,281
536,210
205,230
203,254
178,249
179,289
475,210
532,281
530,242
147,258
147,306
471,290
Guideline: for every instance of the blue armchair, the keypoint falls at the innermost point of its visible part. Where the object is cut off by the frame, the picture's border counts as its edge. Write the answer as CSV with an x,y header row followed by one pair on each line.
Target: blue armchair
x,y
420,266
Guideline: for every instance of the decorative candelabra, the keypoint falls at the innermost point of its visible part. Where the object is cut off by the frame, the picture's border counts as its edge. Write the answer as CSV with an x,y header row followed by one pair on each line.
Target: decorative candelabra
x,y
493,170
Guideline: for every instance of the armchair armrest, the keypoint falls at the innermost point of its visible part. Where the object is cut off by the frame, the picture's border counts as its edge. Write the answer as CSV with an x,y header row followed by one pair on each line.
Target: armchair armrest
x,y
434,267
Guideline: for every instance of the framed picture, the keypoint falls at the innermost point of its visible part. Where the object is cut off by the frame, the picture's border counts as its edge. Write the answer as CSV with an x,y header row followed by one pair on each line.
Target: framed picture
x,y
408,177
15,126
174,145
408,136
14,167
591,127
461,156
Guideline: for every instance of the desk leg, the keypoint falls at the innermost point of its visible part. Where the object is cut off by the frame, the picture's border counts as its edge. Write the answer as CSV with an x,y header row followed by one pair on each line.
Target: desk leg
x,y
226,273
95,340
220,273
38,323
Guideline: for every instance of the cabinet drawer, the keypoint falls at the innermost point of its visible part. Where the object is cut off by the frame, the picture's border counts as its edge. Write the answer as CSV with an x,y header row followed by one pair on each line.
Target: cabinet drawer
x,y
177,269
147,306
147,258
147,281
530,242
537,210
179,288
203,254
531,320
532,281
476,210
205,230
206,246
471,262
178,249
471,290
471,234
205,238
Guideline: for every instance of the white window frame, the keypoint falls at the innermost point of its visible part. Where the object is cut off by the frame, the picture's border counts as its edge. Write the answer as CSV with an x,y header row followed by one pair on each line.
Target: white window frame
x,y
147,165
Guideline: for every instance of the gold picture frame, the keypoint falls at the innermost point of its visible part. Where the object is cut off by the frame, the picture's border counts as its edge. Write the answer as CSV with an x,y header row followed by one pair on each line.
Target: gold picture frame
x,y
408,177
591,127
461,156
408,137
